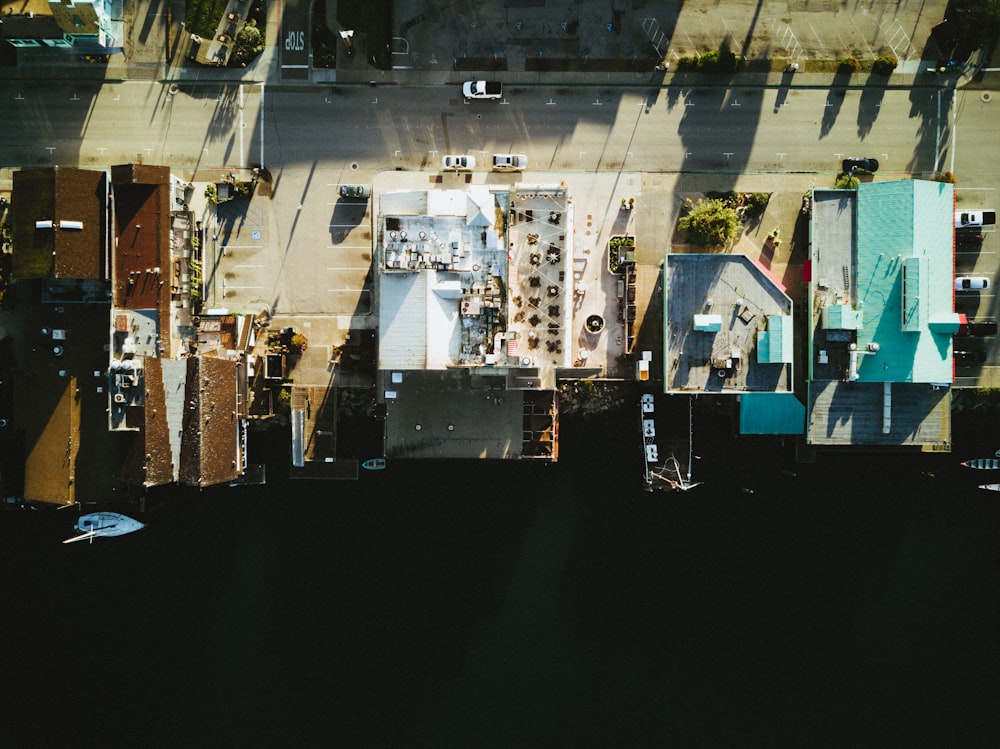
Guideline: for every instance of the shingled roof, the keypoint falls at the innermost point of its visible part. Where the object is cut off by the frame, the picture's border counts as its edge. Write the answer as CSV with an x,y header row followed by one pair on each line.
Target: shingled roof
x,y
72,240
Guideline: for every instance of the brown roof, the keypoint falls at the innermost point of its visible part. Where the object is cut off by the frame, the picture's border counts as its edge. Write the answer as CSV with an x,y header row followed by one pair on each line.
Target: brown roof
x,y
61,405
209,447
142,237
24,26
158,458
59,194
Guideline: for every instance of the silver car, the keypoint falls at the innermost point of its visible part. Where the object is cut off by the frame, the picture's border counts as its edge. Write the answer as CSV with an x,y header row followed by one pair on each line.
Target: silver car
x,y
458,162
510,162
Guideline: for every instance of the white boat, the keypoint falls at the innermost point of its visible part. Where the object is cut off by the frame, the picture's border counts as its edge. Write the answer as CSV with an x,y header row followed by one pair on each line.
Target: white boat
x,y
990,487
99,524
983,464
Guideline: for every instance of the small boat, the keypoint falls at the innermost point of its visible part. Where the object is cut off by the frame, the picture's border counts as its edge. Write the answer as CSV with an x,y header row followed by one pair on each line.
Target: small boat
x,y
99,524
983,464
374,464
990,487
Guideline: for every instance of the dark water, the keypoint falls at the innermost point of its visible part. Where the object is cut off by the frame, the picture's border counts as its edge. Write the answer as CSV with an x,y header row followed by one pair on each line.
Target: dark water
x,y
483,604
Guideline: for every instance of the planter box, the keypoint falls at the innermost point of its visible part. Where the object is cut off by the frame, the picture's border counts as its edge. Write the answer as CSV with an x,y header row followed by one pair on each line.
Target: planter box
x,y
621,252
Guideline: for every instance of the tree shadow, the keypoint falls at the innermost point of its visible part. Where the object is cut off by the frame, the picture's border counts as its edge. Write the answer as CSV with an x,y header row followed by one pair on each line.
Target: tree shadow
x,y
835,100
783,88
930,102
871,102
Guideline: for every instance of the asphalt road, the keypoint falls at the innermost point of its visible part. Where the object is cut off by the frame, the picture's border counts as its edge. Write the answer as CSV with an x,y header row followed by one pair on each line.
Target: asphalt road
x,y
313,139
719,130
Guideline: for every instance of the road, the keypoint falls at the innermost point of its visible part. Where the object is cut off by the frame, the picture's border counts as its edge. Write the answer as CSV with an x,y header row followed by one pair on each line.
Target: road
x,y
313,139
723,130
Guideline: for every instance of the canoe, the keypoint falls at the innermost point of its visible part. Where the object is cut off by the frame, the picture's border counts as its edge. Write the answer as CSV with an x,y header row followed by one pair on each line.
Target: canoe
x,y
983,464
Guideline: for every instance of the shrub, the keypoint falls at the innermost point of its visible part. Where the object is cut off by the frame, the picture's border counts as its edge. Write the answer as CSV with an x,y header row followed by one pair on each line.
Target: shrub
x,y
945,177
849,65
211,193
249,43
884,65
709,59
710,223
756,201
847,182
688,62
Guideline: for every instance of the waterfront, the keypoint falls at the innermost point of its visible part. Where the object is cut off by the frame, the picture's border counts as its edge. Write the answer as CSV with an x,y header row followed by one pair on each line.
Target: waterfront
x,y
494,604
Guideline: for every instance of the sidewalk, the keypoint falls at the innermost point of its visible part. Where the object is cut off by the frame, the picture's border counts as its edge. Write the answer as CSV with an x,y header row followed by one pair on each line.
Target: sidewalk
x,y
585,43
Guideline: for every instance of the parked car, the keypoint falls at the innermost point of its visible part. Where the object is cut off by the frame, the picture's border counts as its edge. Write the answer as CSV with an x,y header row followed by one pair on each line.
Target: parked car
x,y
969,358
982,327
974,219
458,162
355,192
482,89
857,164
972,283
509,162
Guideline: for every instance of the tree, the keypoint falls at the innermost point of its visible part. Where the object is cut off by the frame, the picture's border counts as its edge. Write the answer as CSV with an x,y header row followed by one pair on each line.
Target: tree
x,y
710,223
847,182
248,44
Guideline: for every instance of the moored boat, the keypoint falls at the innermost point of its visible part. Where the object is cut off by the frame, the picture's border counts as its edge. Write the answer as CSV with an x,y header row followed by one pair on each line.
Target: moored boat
x,y
983,464
990,487
97,524
374,464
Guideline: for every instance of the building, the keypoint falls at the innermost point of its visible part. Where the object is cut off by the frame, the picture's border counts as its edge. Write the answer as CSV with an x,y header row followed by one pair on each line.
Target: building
x,y
729,331
64,27
475,314
881,315
103,409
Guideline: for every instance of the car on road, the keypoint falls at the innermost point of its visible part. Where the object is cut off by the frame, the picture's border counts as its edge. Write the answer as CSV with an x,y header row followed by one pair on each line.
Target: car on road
x,y
355,192
857,164
482,89
458,162
974,219
509,162
969,358
972,283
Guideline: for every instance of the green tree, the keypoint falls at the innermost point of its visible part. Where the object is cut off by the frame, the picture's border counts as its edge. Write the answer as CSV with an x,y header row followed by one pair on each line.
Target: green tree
x,y
847,182
710,223
248,44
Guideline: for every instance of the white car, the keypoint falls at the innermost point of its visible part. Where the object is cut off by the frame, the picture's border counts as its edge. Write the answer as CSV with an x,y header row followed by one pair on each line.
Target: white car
x,y
458,162
482,89
974,219
510,162
972,283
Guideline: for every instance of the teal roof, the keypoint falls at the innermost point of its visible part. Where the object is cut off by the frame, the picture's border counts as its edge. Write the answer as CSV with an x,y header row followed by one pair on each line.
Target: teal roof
x,y
771,413
841,317
903,280
774,345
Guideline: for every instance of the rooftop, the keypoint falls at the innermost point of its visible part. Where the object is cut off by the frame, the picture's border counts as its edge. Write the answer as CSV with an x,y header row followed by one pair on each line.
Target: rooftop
x,y
59,223
458,289
881,315
728,326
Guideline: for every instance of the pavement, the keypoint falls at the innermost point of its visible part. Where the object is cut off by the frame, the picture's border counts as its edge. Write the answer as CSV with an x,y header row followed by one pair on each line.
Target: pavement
x,y
624,43
633,43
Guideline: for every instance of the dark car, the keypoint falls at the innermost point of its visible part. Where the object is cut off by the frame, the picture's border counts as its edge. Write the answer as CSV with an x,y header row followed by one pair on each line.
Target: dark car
x,y
355,192
970,358
855,164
